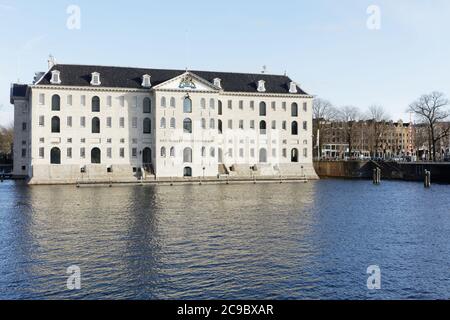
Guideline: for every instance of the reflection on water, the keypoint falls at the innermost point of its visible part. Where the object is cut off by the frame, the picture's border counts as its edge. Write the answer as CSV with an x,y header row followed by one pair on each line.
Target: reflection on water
x,y
280,241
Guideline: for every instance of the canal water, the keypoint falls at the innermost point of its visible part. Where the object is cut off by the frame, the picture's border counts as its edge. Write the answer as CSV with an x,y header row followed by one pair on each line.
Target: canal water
x,y
264,241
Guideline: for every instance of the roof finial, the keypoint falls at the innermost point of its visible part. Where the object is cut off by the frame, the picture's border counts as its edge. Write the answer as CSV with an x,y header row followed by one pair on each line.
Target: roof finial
x,y
264,69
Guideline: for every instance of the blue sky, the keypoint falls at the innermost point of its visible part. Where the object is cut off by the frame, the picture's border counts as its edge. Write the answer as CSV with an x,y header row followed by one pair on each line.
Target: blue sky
x,y
324,45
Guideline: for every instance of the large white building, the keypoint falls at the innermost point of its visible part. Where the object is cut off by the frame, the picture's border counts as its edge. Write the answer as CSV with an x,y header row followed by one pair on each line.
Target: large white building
x,y
79,123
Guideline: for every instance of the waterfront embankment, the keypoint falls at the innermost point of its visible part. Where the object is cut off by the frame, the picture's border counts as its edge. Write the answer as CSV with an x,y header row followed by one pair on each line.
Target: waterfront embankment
x,y
414,171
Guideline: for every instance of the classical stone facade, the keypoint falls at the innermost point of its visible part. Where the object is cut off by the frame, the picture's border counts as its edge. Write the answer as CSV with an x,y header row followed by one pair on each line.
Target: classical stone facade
x,y
97,124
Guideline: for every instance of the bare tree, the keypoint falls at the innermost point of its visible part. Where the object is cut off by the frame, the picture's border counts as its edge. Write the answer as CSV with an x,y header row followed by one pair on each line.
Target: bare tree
x,y
431,109
323,112
6,141
349,116
378,123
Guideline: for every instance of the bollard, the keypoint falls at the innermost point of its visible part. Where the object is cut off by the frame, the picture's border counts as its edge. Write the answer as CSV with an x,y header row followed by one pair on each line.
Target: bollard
x,y
427,182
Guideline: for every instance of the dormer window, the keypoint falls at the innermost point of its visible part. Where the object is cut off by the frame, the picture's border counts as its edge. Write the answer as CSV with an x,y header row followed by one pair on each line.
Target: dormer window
x,y
218,83
293,87
95,79
146,81
56,79
261,86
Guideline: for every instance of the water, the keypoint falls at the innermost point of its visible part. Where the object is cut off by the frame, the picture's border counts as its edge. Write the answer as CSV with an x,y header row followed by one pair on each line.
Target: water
x,y
265,241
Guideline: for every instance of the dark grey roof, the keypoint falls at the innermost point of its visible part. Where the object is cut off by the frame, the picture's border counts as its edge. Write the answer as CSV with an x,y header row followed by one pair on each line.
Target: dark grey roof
x,y
18,91
120,77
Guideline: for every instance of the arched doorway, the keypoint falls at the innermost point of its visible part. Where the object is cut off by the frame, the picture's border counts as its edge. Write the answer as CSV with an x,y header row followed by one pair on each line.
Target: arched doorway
x,y
187,172
96,156
55,156
294,155
262,155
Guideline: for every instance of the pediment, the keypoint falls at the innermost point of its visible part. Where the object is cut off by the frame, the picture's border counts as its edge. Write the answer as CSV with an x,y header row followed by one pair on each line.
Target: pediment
x,y
187,81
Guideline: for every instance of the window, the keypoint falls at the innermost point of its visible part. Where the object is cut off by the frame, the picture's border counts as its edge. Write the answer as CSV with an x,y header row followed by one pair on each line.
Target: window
x,y
41,99
241,152
305,152
82,153
212,124
305,106
109,122
252,105
262,127
220,108
109,101
294,155
134,122
284,152
95,79
163,152
230,124
69,100
284,125
274,106
173,123
263,155
203,121
95,104
69,121
230,104
24,126
187,172
55,156
147,105
305,125
122,152
211,104
96,156
109,152
203,103
274,124
95,125
122,122
212,152
55,79
294,110
122,101
294,128
56,125
172,102
262,109
163,123
219,126
203,152
172,152
252,124
69,153
187,125
163,102
146,81
284,105
241,104
230,153
56,103
24,153
241,124
69,140
83,100
41,153
187,105
187,155
83,122
41,121
252,153
147,125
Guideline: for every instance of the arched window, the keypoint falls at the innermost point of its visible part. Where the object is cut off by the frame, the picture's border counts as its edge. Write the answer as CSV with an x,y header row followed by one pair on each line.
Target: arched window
x,y
262,127
220,108
55,156
96,156
95,104
187,172
187,105
203,152
212,152
147,105
173,124
172,152
163,152
163,102
147,125
203,103
56,103
212,124
294,109
294,128
294,155
262,155
211,104
187,125
163,123
56,127
147,156
95,125
219,126
203,123
262,109
187,155
172,102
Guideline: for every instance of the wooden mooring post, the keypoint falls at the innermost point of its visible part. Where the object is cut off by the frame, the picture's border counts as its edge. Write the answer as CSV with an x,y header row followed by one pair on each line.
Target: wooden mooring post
x,y
427,181
377,176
